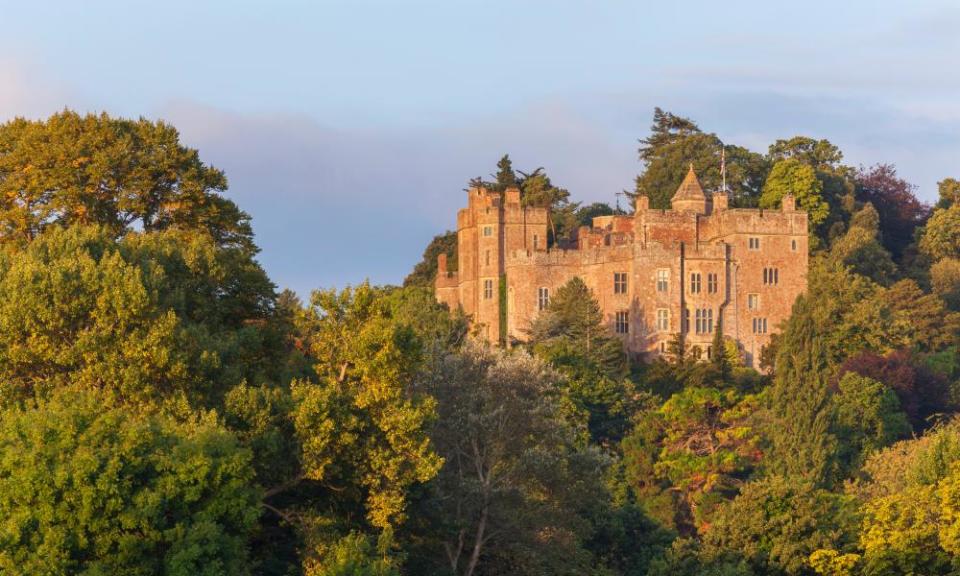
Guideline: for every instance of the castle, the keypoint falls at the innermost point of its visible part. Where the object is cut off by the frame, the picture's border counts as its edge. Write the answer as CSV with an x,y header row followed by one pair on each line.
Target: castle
x,y
696,268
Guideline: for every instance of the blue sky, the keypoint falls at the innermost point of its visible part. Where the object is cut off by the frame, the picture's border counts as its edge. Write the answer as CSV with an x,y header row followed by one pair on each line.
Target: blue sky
x,y
348,129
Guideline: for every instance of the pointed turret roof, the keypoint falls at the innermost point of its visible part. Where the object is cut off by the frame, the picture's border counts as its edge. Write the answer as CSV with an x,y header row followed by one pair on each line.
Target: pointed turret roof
x,y
690,189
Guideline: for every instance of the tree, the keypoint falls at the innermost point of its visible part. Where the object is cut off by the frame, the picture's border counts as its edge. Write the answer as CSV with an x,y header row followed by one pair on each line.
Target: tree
x,y
536,189
572,324
791,176
818,154
909,499
571,335
835,197
425,272
354,555
506,177
586,214
92,489
799,431
949,190
510,496
361,425
920,391
698,446
867,417
121,174
899,210
777,522
675,143
861,250
941,235
945,280
151,316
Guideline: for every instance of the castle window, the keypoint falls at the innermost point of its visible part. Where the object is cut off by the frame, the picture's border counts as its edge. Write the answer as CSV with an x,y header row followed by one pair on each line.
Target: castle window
x,y
488,289
686,319
543,298
536,242
709,352
488,230
695,283
753,301
759,325
622,322
793,244
712,283
663,320
771,276
619,282
697,352
704,321
663,347
663,280
754,243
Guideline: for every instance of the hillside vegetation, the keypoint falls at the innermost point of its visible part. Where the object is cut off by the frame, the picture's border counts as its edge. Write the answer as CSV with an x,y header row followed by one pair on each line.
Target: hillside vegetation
x,y
164,409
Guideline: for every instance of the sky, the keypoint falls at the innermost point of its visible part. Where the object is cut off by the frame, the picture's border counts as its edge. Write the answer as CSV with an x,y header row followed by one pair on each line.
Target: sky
x,y
348,129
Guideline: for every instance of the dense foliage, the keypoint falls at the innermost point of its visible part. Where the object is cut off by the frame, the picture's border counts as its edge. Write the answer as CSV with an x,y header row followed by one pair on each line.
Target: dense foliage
x,y
164,410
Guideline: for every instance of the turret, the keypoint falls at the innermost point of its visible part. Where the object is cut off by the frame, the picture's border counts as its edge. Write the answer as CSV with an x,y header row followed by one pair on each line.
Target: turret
x,y
689,196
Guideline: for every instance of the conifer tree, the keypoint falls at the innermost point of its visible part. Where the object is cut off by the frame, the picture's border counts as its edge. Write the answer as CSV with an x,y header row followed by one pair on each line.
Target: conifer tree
x,y
801,443
506,177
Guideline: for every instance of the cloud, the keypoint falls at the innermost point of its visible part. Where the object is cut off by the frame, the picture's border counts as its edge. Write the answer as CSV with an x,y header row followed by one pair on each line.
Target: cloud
x,y
332,206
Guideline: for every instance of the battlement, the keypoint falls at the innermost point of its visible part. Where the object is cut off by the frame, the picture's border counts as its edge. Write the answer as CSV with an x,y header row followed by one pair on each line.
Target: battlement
x,y
742,266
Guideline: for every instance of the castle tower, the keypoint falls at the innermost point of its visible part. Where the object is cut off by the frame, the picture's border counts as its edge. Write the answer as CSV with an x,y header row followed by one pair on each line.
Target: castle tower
x,y
689,196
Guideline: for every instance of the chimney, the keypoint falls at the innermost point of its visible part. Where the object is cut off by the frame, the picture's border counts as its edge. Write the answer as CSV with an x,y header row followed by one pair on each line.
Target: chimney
x,y
442,265
642,203
721,201
789,203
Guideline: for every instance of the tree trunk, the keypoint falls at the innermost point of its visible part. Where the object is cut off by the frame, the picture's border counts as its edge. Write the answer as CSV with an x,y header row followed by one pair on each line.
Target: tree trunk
x,y
477,543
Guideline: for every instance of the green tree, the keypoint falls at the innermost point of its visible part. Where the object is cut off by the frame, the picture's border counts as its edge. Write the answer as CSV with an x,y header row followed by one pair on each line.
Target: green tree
x,y
571,334
941,235
697,446
121,174
945,281
513,492
867,417
799,430
354,555
506,177
818,154
150,316
791,176
425,271
360,424
536,189
776,523
949,190
675,143
861,250
89,489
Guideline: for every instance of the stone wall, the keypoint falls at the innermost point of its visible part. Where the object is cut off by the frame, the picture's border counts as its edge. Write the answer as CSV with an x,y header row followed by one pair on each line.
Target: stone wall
x,y
751,266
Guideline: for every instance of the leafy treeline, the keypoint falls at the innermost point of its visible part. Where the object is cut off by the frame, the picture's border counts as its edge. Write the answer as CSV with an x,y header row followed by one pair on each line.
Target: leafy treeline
x,y
164,410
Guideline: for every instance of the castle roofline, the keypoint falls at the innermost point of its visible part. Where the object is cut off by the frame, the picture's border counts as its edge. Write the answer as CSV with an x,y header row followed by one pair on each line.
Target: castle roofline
x,y
690,188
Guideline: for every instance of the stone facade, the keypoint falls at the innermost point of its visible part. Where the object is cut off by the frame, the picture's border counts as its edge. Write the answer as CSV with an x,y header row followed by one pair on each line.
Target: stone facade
x,y
691,269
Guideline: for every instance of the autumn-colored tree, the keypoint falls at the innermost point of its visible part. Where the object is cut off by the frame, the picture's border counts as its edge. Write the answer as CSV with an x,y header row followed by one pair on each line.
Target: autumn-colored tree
x,y
121,174
899,210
